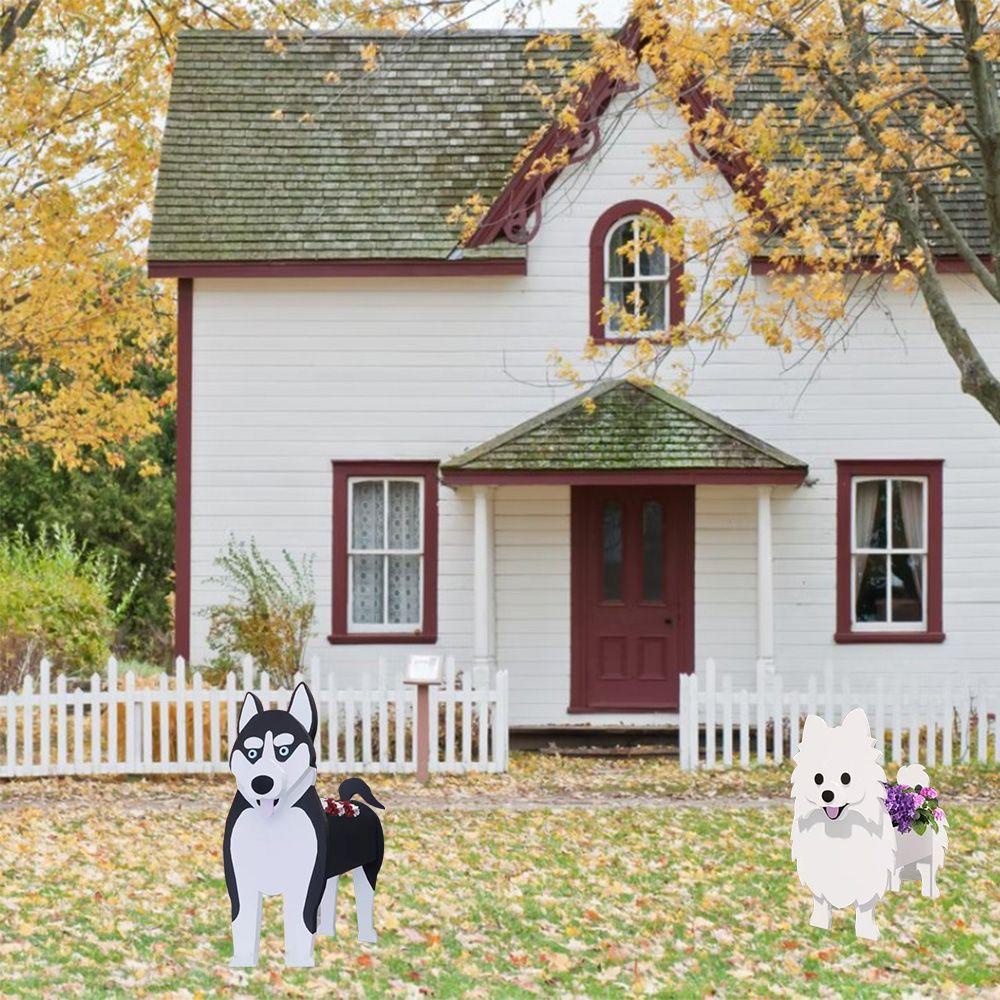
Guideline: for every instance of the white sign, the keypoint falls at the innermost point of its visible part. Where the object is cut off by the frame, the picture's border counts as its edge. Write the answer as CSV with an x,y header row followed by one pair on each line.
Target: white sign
x,y
423,669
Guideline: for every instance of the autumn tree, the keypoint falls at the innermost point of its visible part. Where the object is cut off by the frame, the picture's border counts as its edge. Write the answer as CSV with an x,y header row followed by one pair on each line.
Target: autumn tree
x,y
861,144
83,93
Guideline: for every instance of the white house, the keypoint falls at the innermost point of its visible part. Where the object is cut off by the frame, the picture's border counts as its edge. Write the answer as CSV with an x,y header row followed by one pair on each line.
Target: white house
x,y
354,385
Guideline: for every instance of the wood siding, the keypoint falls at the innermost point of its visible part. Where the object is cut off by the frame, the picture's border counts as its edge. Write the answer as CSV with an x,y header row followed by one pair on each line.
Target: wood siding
x,y
290,374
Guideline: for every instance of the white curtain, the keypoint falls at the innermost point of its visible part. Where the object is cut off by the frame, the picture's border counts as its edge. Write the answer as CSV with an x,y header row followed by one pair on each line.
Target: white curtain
x,y
865,505
911,505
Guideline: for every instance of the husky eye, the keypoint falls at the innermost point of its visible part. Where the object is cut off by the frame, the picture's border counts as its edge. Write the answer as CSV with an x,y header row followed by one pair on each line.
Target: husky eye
x,y
818,779
284,751
252,754
845,778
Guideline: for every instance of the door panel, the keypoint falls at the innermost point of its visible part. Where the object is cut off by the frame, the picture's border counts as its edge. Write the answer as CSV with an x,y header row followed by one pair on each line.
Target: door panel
x,y
632,596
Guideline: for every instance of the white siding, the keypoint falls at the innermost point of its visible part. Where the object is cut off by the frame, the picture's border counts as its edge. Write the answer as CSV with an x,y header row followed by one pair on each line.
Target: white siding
x,y
290,374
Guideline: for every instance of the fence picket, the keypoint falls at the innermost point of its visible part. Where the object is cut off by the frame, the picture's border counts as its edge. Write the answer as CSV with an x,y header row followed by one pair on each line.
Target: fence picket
x,y
179,694
383,715
964,712
95,722
727,721
466,720
28,736
449,711
61,723
693,724
366,719
914,757
78,695
197,722
482,683
710,713
400,714
44,705
232,719
947,725
761,714
11,734
744,728
982,726
214,736
779,722
333,751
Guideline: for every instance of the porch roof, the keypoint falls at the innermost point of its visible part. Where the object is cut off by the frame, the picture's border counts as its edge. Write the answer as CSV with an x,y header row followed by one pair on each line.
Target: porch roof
x,y
634,433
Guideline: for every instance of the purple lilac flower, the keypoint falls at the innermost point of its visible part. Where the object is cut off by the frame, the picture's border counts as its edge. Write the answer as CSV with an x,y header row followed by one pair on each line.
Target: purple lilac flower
x,y
900,804
939,814
929,793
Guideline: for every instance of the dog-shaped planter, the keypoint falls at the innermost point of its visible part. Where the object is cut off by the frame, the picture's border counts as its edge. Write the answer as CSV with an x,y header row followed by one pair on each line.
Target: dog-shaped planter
x,y
280,841
846,850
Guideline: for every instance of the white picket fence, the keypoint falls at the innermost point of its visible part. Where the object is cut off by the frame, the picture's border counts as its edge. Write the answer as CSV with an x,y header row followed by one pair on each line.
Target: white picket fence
x,y
131,728
954,722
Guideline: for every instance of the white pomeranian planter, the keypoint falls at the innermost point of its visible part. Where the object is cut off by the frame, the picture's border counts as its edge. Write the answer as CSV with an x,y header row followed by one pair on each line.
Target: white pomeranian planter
x,y
846,849
280,841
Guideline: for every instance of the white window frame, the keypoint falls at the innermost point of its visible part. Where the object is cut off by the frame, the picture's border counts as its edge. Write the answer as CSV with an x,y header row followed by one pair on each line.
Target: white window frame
x,y
889,625
635,278
386,627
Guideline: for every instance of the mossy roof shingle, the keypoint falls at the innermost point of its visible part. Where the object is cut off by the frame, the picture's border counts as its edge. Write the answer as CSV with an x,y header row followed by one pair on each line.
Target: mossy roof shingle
x,y
631,427
375,172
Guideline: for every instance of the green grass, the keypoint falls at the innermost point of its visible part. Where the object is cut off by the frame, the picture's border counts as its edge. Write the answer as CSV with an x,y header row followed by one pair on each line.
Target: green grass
x,y
98,900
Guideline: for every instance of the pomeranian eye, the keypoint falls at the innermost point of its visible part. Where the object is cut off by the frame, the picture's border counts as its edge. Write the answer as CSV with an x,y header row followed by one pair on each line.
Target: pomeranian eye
x,y
845,778
819,779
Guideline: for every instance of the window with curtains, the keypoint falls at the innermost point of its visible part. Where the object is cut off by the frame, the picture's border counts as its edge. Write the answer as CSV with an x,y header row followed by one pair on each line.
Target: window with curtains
x,y
385,540
385,557
889,552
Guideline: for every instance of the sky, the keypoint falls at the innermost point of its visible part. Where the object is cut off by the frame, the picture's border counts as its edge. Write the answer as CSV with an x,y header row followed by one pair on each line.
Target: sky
x,y
556,14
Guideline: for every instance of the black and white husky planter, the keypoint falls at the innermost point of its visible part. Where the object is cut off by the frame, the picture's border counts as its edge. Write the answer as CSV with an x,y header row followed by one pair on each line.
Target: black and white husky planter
x,y
280,841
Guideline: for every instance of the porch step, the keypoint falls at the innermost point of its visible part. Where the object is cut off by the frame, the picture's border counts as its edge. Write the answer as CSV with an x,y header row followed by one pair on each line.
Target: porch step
x,y
594,741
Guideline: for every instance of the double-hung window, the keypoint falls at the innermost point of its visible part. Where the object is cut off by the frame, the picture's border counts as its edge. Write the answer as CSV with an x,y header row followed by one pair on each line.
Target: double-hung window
x,y
889,551
385,541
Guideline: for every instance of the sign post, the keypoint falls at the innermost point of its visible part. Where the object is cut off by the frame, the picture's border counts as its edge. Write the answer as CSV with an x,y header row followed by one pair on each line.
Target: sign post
x,y
423,671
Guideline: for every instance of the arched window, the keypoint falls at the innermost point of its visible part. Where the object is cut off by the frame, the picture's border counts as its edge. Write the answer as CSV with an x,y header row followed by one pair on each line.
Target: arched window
x,y
637,281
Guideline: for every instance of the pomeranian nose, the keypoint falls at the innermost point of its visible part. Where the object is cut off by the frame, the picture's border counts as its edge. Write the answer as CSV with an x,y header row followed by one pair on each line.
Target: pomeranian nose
x,y
262,784
827,795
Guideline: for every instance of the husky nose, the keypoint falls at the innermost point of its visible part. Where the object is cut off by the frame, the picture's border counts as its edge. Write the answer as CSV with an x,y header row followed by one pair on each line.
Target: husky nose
x,y
262,784
827,795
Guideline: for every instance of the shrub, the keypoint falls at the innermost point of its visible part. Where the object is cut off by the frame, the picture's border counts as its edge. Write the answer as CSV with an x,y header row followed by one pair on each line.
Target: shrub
x,y
269,615
55,601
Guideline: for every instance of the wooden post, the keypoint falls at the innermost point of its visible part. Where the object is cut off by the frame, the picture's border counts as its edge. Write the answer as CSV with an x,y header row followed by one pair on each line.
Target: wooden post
x,y
423,747
765,580
483,601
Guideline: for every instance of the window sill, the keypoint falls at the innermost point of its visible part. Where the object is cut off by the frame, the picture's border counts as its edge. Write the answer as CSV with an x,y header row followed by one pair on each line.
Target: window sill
x,y
380,638
877,637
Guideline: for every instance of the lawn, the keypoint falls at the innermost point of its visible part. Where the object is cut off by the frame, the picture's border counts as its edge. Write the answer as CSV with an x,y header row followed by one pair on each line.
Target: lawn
x,y
114,887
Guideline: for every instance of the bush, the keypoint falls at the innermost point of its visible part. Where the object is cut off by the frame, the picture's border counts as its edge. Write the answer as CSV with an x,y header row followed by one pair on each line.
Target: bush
x,y
124,513
55,601
268,615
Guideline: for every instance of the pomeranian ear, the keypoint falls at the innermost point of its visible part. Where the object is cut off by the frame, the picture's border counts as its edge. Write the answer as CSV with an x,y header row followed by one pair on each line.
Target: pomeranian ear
x,y
814,725
856,723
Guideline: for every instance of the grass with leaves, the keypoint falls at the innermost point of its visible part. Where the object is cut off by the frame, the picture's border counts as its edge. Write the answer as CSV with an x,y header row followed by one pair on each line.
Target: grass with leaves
x,y
114,887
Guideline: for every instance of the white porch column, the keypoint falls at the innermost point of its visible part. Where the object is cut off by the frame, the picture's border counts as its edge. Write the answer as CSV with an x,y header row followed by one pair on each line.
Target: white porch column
x,y
765,582
483,600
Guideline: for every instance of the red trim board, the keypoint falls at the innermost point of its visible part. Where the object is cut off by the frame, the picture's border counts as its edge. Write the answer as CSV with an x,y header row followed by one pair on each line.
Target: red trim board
x,y
932,470
364,268
342,472
182,508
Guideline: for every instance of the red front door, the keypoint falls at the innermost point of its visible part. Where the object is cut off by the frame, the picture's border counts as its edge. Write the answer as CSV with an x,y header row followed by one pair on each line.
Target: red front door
x,y
632,596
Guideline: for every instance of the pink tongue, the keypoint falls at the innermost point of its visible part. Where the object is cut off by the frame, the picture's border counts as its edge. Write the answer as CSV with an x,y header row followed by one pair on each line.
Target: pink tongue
x,y
267,806
832,811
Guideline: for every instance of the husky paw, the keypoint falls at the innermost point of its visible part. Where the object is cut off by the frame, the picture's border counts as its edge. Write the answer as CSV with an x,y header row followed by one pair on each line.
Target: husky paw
x,y
242,962
299,961
368,937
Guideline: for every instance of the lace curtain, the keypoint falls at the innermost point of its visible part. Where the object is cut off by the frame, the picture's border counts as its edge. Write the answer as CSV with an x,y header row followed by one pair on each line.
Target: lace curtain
x,y
385,519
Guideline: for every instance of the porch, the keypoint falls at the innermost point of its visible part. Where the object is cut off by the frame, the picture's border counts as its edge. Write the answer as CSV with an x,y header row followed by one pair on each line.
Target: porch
x,y
630,471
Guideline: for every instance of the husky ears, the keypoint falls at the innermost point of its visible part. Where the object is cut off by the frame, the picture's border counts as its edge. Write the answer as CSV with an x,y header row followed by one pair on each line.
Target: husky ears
x,y
856,723
303,708
251,706
814,725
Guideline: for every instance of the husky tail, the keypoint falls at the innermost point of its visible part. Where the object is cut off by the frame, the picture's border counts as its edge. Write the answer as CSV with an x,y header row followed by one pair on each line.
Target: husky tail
x,y
355,786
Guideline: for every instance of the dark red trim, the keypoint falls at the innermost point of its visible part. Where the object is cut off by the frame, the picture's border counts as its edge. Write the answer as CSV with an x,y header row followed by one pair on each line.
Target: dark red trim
x,y
598,235
182,482
516,213
398,268
342,471
627,477
932,469
945,264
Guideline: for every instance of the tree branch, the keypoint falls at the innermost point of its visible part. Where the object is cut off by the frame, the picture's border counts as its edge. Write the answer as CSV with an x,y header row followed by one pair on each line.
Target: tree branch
x,y
15,18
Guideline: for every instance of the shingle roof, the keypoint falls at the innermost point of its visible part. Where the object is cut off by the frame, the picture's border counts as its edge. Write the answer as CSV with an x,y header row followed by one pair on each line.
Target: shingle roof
x,y
943,66
374,175
632,427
